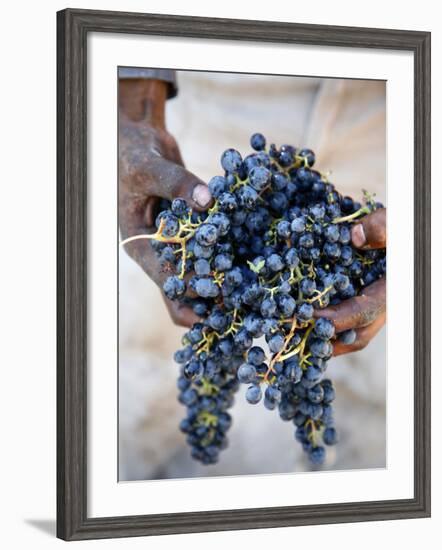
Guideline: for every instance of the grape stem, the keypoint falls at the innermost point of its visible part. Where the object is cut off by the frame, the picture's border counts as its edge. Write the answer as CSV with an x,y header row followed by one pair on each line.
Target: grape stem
x,y
208,388
181,239
319,295
283,349
300,348
234,326
313,431
362,211
207,419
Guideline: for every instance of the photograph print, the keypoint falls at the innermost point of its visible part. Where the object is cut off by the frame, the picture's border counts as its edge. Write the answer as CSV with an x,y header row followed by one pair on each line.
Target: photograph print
x,y
252,274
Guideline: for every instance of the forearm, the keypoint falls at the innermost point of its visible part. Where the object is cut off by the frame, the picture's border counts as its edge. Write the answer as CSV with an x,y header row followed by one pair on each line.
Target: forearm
x,y
143,100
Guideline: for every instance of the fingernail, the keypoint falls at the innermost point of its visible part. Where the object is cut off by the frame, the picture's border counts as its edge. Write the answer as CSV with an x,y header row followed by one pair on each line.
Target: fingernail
x,y
358,235
201,195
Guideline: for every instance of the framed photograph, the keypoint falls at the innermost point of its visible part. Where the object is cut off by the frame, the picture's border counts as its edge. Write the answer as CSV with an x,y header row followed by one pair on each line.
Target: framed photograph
x,y
226,189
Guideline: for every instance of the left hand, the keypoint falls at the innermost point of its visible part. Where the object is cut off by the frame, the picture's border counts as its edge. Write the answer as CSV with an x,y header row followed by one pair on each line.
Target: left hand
x,y
365,313
151,168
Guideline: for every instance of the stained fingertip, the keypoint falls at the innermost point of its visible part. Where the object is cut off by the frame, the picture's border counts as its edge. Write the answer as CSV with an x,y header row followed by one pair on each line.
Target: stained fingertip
x,y
201,195
371,230
358,235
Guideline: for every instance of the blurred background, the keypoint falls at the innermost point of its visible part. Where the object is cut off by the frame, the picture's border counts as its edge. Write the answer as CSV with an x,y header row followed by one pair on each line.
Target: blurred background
x,y
343,121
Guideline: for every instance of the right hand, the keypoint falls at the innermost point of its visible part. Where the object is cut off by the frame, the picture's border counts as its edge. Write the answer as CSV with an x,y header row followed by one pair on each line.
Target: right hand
x,y
365,313
150,168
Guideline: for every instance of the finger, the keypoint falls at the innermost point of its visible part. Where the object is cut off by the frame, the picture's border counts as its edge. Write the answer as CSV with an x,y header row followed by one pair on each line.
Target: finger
x,y
371,231
363,337
145,256
359,311
181,314
169,180
170,149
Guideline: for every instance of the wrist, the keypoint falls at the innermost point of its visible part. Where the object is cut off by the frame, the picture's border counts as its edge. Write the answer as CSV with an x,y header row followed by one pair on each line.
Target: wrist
x,y
143,100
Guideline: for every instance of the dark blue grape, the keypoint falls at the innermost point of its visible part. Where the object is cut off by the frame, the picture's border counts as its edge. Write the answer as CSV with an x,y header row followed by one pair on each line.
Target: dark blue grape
x,y
307,286
174,287
291,258
279,181
340,281
254,394
202,267
259,177
234,276
253,323
278,201
217,186
221,221
330,436
179,208
317,212
332,233
321,348
207,288
332,250
200,251
305,312
242,340
329,392
283,229
227,202
286,305
306,240
274,263
217,320
317,455
324,328
231,160
206,234
247,196
246,373
268,307
315,394
276,342
308,156
223,262
255,356
258,142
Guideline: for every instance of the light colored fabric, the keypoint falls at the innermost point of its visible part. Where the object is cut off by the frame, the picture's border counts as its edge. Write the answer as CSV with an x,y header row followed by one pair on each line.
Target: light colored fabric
x,y
343,121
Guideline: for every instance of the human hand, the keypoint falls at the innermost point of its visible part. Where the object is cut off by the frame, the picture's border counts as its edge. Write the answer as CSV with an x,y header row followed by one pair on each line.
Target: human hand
x,y
364,313
151,168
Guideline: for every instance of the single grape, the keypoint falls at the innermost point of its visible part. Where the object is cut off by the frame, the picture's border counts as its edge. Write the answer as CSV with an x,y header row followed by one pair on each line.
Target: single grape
x,y
231,160
254,395
330,436
246,373
258,142
174,287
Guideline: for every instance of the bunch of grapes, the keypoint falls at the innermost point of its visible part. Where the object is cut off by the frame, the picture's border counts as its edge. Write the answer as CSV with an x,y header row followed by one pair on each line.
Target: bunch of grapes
x,y
275,247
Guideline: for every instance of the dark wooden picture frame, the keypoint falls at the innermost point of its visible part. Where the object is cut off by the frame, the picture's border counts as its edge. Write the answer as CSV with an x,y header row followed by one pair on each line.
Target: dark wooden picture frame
x,y
73,27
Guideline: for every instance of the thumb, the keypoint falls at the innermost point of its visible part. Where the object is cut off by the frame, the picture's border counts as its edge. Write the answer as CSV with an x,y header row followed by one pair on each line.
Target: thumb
x,y
169,180
371,230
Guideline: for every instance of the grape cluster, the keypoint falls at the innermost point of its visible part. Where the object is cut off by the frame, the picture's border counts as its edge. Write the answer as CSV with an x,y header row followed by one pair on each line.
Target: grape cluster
x,y
275,246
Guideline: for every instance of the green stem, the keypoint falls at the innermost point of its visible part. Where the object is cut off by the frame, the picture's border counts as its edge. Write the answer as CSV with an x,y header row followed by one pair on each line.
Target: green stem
x,y
362,211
